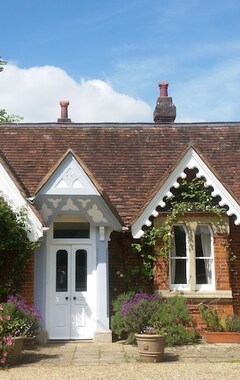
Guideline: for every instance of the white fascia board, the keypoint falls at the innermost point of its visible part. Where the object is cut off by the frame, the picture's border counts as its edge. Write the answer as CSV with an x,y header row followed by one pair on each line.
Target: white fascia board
x,y
69,179
190,160
12,195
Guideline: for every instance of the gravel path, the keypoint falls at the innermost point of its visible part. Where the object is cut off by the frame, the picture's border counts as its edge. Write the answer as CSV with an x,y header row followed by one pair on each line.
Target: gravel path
x,y
166,371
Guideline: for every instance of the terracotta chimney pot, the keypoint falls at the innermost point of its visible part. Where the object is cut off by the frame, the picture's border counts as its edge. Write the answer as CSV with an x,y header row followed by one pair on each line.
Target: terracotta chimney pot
x,y
163,88
64,112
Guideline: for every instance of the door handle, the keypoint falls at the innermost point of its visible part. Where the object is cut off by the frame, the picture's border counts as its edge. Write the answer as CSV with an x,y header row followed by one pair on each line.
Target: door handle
x,y
66,298
74,298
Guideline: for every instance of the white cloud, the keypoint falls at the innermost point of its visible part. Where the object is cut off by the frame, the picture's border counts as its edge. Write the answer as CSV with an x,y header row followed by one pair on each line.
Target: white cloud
x,y
200,94
34,93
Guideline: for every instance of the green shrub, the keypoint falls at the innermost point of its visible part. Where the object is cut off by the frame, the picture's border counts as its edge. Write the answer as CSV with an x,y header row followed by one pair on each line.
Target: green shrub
x,y
117,323
18,318
174,317
15,249
232,323
211,317
138,312
217,322
149,313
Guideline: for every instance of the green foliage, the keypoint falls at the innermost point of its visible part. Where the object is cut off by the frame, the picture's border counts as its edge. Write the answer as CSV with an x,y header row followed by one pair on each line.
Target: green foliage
x,y
15,249
138,313
217,322
211,317
232,323
137,272
192,195
20,319
178,335
117,323
174,317
145,248
148,313
6,118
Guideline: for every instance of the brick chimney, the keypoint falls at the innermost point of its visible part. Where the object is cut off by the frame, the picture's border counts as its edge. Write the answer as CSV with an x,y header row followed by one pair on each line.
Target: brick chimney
x,y
165,110
64,112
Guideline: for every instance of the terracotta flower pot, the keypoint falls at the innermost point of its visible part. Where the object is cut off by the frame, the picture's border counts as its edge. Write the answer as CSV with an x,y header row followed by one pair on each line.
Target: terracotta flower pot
x,y
29,342
15,353
151,347
222,337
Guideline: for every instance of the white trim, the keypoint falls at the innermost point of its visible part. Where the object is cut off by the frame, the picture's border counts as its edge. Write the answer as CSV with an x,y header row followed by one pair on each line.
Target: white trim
x,y
69,178
212,285
226,294
190,160
12,195
51,242
183,286
191,283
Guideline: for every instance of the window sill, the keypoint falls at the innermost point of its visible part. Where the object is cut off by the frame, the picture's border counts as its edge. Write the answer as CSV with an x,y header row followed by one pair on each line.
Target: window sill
x,y
200,294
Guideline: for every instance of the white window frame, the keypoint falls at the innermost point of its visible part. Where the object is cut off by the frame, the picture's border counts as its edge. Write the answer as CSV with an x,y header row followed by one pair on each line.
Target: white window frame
x,y
210,286
190,230
180,286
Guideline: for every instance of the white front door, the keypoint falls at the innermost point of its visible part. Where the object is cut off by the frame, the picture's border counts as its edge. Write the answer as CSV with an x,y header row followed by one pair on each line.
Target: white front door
x,y
71,292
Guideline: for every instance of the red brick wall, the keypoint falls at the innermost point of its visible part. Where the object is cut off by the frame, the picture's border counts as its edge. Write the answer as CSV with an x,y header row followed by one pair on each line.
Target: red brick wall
x,y
161,278
235,265
227,273
121,262
222,270
27,289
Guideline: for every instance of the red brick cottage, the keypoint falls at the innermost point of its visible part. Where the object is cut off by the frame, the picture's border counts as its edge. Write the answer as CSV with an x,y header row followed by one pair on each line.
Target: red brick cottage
x,y
90,188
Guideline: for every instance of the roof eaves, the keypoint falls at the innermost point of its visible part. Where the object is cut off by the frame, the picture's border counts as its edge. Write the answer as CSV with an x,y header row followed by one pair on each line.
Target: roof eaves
x,y
191,159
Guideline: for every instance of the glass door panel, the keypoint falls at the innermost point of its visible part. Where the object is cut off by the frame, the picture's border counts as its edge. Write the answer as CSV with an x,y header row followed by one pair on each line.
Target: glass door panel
x,y
81,270
61,270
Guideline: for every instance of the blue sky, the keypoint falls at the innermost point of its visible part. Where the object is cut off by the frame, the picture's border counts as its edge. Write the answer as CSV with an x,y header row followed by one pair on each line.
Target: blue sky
x,y
108,56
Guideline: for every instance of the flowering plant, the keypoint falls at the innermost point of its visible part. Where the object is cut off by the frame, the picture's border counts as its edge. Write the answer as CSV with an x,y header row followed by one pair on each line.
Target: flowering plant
x,y
153,314
17,318
137,315
23,320
5,340
138,311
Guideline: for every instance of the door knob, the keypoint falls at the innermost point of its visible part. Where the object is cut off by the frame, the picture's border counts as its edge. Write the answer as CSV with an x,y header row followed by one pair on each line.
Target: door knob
x,y
74,298
66,298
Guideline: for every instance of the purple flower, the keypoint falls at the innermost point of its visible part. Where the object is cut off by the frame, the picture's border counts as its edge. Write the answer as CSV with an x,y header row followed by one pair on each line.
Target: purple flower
x,y
137,299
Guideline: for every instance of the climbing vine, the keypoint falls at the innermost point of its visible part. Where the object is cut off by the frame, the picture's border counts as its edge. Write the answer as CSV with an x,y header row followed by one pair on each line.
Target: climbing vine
x,y
192,195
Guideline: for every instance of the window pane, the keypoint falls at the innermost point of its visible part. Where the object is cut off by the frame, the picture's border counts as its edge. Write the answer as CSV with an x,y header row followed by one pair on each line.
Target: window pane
x,y
71,230
178,270
81,271
203,267
180,241
203,253
61,270
178,256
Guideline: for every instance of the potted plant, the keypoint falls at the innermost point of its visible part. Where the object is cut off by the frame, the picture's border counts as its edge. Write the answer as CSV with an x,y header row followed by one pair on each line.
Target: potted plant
x,y
139,313
151,344
219,328
19,321
152,321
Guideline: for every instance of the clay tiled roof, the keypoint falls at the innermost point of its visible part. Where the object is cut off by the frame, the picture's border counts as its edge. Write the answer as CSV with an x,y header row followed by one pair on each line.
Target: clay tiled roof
x,y
126,160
